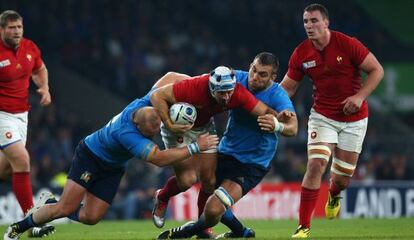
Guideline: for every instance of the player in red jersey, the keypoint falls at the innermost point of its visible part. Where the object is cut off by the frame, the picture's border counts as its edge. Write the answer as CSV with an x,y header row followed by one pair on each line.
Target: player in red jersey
x,y
20,60
210,96
339,116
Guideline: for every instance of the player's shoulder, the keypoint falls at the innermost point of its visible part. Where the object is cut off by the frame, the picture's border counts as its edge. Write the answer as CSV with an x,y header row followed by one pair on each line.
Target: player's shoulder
x,y
28,43
303,47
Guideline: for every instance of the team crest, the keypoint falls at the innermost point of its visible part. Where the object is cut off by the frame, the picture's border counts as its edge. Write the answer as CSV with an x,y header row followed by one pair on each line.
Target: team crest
x,y
9,135
29,57
339,59
86,176
313,135
18,66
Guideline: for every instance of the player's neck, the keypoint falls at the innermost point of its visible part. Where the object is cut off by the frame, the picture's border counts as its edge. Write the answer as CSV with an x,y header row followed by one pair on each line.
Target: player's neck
x,y
323,41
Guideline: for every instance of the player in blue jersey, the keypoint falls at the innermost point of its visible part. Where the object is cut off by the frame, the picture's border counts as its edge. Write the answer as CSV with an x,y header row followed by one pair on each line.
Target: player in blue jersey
x,y
245,151
99,164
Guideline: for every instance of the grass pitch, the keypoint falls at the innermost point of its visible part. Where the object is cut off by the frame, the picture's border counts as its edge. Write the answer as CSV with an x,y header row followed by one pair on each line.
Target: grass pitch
x,y
401,228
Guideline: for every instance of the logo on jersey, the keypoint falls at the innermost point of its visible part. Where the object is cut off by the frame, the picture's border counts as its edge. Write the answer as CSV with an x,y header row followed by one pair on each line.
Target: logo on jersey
x,y
180,139
339,59
18,66
4,63
29,57
9,135
313,135
309,64
86,176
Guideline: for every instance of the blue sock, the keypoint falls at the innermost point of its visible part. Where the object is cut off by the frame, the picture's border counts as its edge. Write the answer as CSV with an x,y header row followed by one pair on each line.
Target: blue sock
x,y
75,215
26,223
232,222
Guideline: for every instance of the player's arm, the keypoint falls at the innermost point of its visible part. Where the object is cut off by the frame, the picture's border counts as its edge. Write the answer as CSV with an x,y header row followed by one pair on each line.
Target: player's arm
x,y
375,73
41,79
166,157
290,85
160,100
286,123
169,78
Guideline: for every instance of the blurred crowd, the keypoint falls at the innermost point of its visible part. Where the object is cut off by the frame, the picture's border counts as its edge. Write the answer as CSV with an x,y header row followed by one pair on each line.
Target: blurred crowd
x,y
126,45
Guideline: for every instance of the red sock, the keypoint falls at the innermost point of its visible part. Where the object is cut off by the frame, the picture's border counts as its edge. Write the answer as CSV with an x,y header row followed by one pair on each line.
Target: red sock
x,y
308,199
334,189
22,188
201,201
170,189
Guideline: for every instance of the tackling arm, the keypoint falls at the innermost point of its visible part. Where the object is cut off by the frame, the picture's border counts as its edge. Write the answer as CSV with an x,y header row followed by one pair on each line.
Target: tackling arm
x,y
170,77
160,100
166,157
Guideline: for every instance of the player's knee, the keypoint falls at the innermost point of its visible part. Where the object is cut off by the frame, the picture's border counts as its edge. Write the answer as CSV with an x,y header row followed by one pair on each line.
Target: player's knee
x,y
342,168
186,181
224,197
90,218
316,167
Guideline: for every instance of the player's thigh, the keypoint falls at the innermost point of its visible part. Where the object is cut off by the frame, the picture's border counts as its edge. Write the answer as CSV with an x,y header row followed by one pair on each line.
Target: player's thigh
x,y
94,208
71,197
322,129
18,157
208,164
233,189
5,167
247,176
352,136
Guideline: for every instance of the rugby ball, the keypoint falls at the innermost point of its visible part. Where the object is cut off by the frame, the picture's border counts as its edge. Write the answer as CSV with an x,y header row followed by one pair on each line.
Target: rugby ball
x,y
183,113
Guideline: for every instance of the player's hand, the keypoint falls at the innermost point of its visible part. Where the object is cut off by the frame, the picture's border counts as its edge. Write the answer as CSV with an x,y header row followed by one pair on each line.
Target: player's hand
x,y
45,98
285,115
266,122
207,141
352,104
180,128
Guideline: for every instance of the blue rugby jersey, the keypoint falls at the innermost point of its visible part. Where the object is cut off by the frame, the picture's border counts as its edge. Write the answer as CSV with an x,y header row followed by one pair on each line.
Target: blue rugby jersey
x,y
120,140
243,138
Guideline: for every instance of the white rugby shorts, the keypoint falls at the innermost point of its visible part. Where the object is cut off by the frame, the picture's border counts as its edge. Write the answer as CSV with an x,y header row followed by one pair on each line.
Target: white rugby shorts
x,y
172,140
347,136
13,128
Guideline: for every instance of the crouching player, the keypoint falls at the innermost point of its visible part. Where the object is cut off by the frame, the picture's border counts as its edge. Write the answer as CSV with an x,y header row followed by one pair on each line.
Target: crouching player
x,y
99,164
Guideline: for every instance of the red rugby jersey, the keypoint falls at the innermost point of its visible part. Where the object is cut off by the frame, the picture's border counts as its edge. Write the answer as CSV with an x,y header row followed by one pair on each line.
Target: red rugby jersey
x,y
16,67
334,72
195,91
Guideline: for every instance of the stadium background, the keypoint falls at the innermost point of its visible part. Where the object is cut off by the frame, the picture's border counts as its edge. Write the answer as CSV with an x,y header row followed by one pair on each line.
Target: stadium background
x,y
102,54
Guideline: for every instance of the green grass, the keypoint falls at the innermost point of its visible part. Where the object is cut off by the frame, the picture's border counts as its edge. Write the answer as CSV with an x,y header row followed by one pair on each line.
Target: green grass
x,y
274,229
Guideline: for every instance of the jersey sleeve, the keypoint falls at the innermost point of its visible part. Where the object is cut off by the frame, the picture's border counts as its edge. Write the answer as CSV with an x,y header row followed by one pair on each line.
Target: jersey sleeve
x,y
135,143
281,101
295,70
245,98
357,51
37,57
184,90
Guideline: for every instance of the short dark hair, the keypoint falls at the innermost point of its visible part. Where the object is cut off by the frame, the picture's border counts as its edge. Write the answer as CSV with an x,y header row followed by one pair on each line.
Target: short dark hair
x,y
318,7
266,58
7,16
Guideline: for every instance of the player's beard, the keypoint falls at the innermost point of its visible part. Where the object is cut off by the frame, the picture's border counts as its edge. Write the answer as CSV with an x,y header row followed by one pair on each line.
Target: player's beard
x,y
12,42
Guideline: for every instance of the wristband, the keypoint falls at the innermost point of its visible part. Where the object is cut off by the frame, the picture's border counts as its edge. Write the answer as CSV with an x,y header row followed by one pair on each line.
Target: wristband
x,y
193,148
278,125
